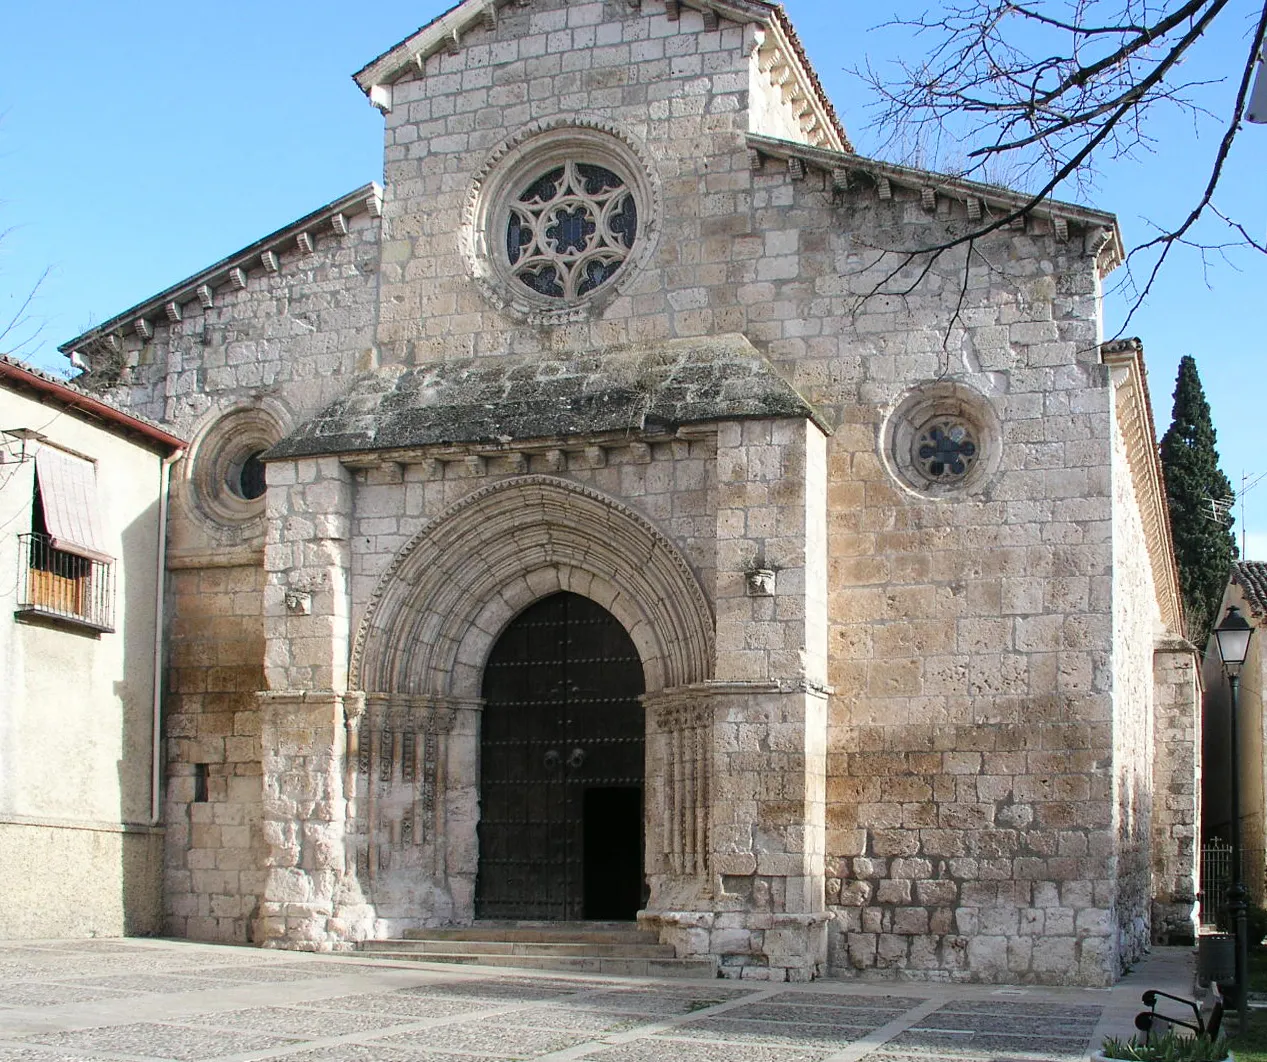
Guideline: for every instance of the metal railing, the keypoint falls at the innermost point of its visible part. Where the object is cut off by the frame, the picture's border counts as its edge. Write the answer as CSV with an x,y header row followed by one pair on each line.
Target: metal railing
x,y
53,582
1216,876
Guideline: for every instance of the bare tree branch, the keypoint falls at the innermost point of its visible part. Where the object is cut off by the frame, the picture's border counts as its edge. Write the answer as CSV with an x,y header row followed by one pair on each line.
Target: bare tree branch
x,y
19,329
1058,89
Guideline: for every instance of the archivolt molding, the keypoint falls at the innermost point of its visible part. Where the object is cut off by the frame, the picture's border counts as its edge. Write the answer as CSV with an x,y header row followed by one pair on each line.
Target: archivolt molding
x,y
449,592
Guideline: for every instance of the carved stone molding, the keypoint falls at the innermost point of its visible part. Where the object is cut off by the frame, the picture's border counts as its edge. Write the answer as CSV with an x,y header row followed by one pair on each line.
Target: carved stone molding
x,y
687,742
1134,412
443,600
397,748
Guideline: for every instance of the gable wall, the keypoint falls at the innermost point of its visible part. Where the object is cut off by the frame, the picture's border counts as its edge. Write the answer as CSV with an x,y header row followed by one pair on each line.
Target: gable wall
x,y
671,85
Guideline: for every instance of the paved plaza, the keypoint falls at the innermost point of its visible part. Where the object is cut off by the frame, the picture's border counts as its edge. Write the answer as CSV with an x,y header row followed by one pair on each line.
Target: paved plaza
x,y
151,999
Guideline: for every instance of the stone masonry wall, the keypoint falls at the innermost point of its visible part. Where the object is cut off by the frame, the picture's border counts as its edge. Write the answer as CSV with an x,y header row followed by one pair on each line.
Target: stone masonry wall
x,y
1135,625
671,482
671,85
290,338
292,334
969,639
1176,791
214,867
969,833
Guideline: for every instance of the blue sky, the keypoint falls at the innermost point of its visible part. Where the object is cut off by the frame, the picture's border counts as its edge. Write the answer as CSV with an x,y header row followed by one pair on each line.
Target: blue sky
x,y
140,142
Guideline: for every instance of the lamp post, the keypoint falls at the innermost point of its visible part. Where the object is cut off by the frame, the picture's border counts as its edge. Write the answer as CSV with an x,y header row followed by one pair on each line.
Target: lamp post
x,y
1232,636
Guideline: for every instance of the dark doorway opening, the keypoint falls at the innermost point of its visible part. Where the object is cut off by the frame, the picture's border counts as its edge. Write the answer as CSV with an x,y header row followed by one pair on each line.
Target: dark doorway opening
x,y
561,767
613,853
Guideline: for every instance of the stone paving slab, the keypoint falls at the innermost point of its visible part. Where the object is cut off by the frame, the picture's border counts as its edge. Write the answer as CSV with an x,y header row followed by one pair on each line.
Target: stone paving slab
x,y
161,1001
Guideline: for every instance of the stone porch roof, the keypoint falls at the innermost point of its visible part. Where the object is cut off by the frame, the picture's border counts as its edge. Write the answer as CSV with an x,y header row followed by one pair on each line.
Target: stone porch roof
x,y
496,400
1251,577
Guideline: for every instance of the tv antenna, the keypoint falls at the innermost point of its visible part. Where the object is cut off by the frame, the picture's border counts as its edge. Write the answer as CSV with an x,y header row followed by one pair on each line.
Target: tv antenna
x,y
1247,484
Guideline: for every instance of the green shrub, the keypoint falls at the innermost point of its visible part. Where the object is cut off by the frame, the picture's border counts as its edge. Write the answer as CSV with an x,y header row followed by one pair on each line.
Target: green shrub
x,y
1170,1047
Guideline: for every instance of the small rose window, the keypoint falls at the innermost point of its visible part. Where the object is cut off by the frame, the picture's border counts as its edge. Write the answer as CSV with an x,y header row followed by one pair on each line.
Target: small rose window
x,y
943,440
945,450
570,230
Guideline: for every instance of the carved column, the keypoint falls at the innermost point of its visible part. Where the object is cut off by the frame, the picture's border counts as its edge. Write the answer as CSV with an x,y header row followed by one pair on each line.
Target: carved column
x,y
402,748
683,750
399,764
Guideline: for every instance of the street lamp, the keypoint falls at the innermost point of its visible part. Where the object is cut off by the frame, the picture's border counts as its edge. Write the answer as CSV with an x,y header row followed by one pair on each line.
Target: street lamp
x,y
1232,636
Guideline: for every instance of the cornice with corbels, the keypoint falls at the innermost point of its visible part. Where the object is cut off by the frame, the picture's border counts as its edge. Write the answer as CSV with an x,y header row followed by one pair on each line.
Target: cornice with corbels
x,y
1125,361
843,172
780,61
780,54
198,293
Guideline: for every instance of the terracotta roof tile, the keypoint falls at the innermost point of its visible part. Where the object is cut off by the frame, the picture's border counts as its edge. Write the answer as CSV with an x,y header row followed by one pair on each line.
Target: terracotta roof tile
x,y
1251,577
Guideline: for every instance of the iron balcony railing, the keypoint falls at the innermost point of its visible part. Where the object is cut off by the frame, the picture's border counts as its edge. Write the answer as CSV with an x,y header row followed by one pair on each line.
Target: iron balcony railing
x,y
53,582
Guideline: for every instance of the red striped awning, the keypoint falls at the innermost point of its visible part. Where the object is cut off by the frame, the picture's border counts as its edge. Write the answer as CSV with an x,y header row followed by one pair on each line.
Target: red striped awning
x,y
68,491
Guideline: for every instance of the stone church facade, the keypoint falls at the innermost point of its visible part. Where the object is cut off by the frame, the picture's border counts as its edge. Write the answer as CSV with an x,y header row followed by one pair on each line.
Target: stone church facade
x,y
570,530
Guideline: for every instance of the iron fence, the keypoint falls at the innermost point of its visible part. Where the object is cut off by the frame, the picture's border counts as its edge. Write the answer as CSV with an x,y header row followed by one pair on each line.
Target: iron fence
x,y
53,582
1216,876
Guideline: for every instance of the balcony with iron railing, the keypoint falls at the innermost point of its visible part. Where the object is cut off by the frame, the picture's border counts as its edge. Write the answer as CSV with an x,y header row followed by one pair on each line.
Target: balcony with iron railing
x,y
61,586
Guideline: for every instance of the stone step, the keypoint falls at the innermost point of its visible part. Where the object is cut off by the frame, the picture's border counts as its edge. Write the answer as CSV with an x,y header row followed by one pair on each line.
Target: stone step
x,y
593,964
447,945
542,932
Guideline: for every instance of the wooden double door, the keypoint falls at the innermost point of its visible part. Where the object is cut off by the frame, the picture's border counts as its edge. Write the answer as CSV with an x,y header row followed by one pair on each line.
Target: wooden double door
x,y
561,768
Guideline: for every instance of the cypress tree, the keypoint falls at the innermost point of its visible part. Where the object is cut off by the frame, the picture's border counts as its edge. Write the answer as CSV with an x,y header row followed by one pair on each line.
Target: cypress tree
x,y
1204,544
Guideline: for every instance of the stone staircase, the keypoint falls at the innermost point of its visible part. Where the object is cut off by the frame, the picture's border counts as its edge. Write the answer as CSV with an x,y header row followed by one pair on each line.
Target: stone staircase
x,y
575,947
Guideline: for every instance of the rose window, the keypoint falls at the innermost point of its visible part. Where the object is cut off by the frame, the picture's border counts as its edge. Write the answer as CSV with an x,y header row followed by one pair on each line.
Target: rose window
x,y
570,230
945,450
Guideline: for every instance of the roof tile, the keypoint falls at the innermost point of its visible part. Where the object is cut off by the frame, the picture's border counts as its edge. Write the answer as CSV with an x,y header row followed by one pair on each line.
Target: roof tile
x,y
1251,577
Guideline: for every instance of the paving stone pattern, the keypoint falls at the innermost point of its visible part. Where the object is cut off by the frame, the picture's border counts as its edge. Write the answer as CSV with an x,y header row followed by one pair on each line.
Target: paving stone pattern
x,y
80,1003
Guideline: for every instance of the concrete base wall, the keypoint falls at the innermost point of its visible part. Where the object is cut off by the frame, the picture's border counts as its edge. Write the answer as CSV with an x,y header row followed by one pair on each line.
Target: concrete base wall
x,y
86,881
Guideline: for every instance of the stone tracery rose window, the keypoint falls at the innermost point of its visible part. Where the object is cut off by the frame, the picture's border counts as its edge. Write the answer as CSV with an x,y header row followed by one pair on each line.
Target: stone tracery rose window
x,y
943,440
945,449
570,230
561,218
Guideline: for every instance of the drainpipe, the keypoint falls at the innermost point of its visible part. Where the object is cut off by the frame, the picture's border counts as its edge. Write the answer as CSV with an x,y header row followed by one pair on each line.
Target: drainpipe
x,y
160,574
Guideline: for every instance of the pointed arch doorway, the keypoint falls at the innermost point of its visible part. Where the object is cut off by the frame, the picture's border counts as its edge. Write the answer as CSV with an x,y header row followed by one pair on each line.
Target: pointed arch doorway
x,y
561,767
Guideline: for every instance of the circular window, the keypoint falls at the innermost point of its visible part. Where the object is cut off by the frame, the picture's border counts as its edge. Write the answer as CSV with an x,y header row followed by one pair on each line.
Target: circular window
x,y
246,477
558,219
226,473
570,230
942,439
945,449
